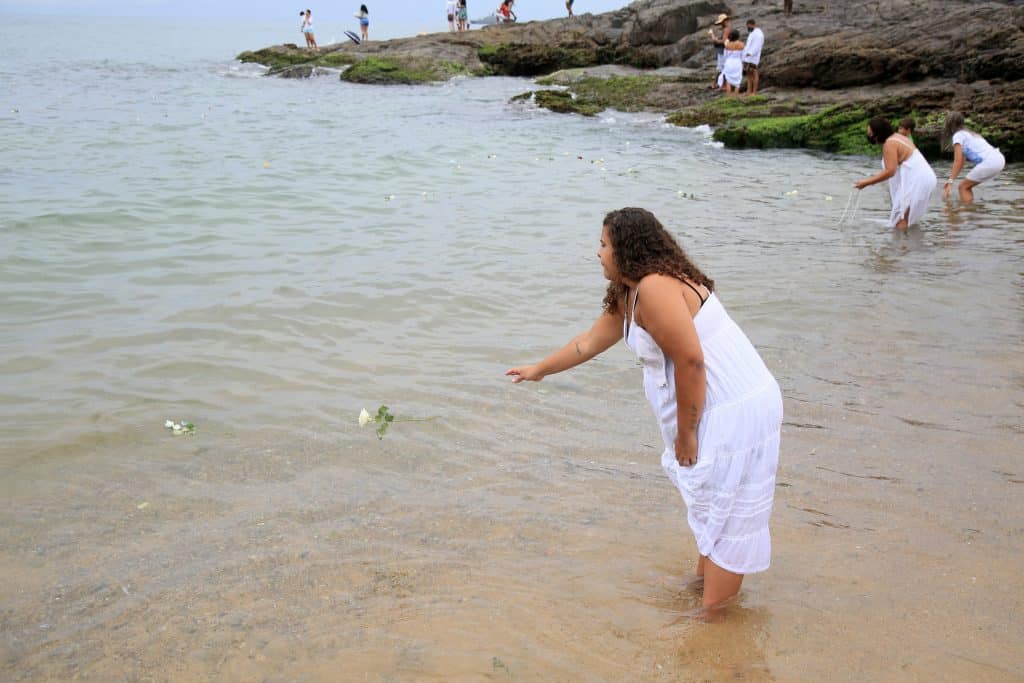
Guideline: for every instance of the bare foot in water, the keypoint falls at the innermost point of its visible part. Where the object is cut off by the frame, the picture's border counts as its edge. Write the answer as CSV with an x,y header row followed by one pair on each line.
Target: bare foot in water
x,y
709,614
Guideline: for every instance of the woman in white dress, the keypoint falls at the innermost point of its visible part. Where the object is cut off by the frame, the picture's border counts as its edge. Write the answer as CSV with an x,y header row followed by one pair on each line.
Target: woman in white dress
x,y
719,408
732,65
988,161
911,179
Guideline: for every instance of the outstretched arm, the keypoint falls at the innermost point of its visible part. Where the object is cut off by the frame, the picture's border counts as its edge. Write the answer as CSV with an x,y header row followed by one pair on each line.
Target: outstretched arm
x,y
891,160
606,331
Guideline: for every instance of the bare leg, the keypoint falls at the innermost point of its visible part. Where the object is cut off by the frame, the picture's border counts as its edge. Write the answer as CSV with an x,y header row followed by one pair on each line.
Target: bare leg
x,y
966,193
719,584
903,222
700,565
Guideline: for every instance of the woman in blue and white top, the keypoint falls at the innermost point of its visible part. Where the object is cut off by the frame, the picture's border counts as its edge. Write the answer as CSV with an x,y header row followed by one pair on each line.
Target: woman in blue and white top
x,y
363,15
988,161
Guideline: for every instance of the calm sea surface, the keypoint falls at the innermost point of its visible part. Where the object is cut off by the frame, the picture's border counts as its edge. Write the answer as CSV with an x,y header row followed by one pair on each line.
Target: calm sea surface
x,y
182,238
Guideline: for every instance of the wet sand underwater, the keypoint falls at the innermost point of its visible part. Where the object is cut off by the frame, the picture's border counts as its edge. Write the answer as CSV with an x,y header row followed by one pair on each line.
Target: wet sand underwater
x,y
543,563
529,534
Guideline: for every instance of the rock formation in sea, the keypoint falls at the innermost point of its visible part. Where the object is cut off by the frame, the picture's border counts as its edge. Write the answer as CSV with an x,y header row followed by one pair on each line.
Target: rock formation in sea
x,y
826,69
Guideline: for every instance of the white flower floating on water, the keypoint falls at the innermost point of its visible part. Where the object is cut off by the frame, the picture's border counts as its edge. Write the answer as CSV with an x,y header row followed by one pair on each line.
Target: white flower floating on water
x,y
179,428
384,418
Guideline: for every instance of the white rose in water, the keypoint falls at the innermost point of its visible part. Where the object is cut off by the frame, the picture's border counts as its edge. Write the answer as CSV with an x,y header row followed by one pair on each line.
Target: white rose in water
x,y
169,424
364,418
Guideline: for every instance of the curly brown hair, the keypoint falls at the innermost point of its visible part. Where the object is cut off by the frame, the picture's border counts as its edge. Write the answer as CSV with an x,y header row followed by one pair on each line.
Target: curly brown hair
x,y
642,246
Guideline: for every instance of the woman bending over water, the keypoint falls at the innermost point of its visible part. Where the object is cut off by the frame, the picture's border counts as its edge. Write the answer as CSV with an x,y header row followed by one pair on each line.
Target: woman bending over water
x,y
911,179
988,161
719,408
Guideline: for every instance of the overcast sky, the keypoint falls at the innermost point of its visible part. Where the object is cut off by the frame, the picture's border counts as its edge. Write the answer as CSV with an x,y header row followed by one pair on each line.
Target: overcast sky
x,y
382,12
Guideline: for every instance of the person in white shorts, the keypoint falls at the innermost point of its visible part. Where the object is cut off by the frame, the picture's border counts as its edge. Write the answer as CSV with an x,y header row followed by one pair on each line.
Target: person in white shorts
x,y
988,161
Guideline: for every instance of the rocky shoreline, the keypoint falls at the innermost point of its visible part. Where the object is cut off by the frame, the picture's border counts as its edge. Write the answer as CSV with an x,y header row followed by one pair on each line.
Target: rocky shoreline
x,y
826,69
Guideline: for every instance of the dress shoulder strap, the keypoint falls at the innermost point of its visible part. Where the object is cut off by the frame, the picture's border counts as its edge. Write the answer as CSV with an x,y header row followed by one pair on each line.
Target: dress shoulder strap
x,y
695,291
904,143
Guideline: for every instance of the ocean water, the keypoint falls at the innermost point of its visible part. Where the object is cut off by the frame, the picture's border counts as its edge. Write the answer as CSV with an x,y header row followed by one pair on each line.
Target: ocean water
x,y
182,238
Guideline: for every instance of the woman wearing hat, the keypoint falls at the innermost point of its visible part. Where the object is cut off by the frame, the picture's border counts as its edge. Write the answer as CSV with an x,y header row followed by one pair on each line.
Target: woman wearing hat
x,y
719,43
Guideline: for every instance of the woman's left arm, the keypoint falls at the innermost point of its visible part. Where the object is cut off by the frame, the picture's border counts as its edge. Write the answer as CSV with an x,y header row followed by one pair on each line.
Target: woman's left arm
x,y
891,161
668,318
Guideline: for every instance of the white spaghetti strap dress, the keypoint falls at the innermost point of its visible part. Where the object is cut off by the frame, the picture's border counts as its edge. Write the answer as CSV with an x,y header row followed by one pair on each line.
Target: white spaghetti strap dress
x,y
911,188
730,491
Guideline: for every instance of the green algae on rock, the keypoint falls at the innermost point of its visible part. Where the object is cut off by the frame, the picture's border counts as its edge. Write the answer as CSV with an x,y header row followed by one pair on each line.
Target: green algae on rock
x,y
400,71
559,101
280,57
625,93
839,128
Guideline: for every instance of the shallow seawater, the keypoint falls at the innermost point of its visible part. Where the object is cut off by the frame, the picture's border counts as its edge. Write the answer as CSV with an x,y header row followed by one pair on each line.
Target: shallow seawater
x,y
181,238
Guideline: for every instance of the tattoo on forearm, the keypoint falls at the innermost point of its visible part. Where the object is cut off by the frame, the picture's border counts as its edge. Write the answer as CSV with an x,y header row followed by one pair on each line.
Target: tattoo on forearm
x,y
578,351
694,416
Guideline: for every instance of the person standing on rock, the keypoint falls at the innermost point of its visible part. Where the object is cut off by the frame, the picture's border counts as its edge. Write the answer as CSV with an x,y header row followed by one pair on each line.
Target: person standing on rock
x,y
988,161
911,179
568,7
363,15
752,56
463,16
732,66
307,30
450,8
719,42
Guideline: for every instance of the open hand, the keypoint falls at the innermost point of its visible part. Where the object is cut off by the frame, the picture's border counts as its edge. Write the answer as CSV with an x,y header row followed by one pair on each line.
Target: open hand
x,y
526,373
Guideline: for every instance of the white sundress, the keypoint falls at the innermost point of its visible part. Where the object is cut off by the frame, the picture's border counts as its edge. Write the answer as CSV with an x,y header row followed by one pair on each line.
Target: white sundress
x,y
732,68
730,490
911,188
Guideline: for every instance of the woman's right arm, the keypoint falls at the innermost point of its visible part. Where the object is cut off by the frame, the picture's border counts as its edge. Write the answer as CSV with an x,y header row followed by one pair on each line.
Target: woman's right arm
x,y
605,331
958,164
891,161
